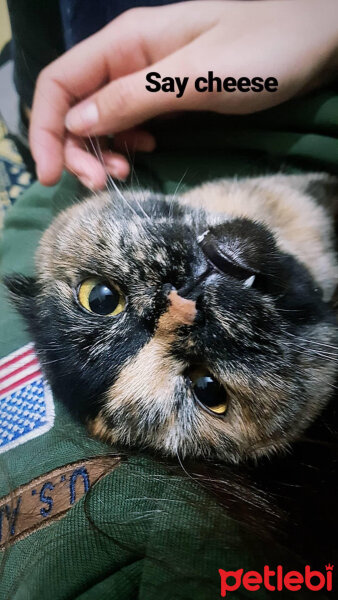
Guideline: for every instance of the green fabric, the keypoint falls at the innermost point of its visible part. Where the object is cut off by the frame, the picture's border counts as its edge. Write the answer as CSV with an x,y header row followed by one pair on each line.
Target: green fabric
x,y
143,531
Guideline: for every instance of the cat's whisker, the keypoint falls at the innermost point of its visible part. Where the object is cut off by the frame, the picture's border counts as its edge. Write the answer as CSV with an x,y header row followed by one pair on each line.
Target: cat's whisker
x,y
313,353
172,199
311,341
96,150
183,467
309,348
316,352
98,153
179,184
133,174
333,386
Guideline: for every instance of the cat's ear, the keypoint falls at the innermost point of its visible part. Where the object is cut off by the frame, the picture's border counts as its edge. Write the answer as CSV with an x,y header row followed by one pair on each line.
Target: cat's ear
x,y
22,292
241,247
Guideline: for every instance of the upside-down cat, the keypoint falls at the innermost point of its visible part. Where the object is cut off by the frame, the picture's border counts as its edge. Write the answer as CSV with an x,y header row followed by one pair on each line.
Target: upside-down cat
x,y
199,326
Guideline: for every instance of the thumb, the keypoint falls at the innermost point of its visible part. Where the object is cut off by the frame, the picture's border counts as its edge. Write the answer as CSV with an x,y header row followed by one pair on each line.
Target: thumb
x,y
127,102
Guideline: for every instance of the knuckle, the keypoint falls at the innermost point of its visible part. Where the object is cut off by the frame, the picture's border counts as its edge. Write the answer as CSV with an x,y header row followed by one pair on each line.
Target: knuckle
x,y
42,77
133,14
46,77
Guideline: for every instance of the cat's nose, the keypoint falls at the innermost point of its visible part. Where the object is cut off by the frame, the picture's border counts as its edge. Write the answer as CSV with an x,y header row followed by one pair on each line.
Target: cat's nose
x,y
181,311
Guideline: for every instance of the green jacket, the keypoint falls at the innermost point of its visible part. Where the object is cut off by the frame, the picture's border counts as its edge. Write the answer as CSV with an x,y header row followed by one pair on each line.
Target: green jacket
x,y
75,526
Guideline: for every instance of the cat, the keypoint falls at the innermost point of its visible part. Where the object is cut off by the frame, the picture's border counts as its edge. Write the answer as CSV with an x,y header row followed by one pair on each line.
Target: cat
x,y
198,326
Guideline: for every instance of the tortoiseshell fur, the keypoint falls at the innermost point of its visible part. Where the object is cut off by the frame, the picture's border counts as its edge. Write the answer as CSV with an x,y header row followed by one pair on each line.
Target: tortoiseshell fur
x,y
270,342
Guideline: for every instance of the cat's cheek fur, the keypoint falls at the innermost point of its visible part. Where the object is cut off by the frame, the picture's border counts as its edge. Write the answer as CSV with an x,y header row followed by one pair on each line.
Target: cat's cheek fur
x,y
150,404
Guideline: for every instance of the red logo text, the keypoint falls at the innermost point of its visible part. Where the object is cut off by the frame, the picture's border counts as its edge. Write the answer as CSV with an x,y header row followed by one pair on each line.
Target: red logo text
x,y
276,580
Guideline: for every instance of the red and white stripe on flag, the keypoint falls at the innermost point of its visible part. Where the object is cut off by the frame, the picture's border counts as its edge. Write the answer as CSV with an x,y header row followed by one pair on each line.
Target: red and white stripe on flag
x,y
26,404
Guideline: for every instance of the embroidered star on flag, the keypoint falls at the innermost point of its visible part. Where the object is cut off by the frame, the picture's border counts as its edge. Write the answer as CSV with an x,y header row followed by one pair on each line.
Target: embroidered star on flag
x,y
26,403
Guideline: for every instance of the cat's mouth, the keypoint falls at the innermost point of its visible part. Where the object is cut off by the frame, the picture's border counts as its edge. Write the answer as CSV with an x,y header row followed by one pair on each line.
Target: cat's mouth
x,y
208,393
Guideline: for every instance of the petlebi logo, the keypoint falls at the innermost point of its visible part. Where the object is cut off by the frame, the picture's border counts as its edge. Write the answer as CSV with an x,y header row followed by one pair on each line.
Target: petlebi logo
x,y
276,580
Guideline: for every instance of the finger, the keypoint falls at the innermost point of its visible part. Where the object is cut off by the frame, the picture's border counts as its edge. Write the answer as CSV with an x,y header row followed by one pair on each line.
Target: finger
x,y
116,164
93,170
126,102
73,76
135,140
134,40
83,164
49,156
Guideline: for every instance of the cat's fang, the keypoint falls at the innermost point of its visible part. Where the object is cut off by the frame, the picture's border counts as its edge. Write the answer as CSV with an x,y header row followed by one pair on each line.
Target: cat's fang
x,y
249,282
202,236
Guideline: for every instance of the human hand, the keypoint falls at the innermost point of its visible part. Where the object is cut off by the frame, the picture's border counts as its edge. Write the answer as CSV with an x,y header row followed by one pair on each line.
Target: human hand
x,y
294,41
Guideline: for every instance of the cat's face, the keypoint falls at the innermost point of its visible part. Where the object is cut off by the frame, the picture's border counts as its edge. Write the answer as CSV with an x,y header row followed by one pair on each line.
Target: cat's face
x,y
171,329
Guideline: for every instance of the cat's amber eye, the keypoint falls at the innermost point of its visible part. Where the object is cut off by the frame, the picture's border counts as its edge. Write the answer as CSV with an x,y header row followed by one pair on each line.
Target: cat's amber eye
x,y
208,392
101,298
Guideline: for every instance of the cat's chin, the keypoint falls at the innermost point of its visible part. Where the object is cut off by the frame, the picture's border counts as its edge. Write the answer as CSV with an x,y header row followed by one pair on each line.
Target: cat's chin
x,y
172,447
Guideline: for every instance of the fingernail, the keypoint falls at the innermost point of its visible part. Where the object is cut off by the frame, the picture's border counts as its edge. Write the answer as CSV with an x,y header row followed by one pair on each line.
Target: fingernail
x,y
81,118
112,162
114,167
117,174
87,182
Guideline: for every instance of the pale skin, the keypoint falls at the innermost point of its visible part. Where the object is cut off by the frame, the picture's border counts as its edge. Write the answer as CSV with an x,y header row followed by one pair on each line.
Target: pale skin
x,y
98,87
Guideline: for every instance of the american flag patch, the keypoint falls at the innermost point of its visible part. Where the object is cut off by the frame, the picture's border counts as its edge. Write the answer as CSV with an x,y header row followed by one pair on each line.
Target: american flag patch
x,y
26,403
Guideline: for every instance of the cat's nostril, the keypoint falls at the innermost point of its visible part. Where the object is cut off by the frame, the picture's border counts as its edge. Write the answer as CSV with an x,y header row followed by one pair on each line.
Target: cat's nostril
x,y
167,288
200,315
194,286
190,292
185,289
199,303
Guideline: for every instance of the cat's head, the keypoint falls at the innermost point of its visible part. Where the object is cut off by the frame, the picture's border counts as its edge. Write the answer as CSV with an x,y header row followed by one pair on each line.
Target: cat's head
x,y
176,330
